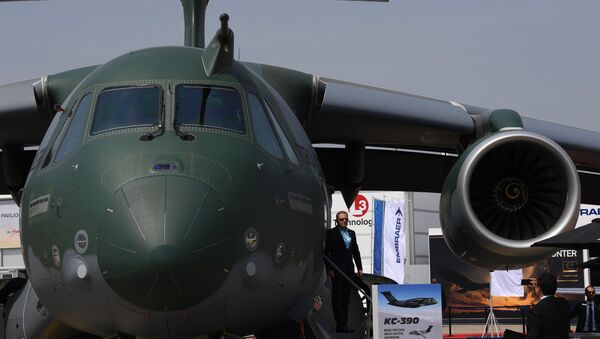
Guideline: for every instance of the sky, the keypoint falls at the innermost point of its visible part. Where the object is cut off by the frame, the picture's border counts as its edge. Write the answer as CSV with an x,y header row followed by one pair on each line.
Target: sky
x,y
540,58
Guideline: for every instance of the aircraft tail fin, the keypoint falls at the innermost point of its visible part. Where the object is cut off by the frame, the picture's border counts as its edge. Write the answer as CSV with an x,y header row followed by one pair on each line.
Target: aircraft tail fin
x,y
388,295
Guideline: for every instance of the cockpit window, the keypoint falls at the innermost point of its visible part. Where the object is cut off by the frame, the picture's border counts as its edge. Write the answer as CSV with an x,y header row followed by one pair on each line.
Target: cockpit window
x,y
127,107
289,150
263,131
46,140
209,107
76,125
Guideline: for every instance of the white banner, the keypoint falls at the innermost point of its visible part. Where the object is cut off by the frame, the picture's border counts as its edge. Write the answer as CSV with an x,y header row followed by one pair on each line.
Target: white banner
x,y
506,283
393,240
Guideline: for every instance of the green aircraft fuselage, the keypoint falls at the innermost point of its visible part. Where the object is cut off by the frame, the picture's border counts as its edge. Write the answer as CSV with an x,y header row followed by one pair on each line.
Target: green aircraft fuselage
x,y
176,213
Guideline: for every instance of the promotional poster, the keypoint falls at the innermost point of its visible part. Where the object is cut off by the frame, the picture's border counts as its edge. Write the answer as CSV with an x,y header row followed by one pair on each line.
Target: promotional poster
x,y
407,311
467,287
9,225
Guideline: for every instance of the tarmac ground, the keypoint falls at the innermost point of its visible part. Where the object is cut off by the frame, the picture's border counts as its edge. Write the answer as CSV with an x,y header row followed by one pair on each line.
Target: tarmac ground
x,y
477,329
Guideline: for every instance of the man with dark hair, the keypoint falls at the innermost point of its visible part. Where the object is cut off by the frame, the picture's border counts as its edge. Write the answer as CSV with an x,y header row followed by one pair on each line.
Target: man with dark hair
x,y
588,312
549,318
341,248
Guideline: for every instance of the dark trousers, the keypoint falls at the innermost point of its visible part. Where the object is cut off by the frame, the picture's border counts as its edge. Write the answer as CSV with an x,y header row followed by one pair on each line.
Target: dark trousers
x,y
340,296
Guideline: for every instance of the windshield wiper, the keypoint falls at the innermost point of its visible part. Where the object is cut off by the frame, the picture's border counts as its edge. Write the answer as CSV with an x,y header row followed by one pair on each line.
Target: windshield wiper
x,y
161,125
152,135
185,136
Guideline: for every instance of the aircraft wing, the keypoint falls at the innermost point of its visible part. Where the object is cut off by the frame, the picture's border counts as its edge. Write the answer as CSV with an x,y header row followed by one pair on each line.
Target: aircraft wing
x,y
411,142
582,145
507,181
381,117
376,139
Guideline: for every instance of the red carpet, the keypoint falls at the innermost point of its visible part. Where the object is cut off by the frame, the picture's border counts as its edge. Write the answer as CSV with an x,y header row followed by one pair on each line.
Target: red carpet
x,y
467,335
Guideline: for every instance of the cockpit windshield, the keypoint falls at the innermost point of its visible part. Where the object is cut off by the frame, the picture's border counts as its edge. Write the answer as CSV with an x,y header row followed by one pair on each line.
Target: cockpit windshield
x,y
209,107
127,107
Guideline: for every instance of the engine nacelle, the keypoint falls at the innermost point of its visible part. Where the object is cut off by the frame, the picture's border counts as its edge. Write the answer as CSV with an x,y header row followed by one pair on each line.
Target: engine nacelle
x,y
507,191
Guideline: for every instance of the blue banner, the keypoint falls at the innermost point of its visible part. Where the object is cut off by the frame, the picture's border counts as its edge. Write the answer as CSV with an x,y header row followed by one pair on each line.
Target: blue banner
x,y
379,206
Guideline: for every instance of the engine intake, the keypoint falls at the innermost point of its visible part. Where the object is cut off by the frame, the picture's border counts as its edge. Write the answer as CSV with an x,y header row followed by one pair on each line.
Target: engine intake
x,y
507,191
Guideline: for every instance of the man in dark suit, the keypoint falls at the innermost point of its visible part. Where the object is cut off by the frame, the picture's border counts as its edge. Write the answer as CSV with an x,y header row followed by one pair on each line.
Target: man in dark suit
x,y
549,318
587,313
341,248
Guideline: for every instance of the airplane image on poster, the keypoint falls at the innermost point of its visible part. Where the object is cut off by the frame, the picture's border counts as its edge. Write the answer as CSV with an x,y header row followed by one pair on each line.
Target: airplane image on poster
x,y
421,332
410,303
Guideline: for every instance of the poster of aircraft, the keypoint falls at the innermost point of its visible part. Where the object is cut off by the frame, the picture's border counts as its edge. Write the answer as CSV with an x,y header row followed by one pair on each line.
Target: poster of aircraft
x,y
410,303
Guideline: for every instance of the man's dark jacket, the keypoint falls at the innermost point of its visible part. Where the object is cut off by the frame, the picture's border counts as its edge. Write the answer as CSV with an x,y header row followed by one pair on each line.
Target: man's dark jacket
x,y
580,312
549,319
335,249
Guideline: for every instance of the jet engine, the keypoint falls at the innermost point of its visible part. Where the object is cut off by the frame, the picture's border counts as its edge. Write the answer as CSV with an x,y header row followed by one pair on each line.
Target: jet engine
x,y
508,190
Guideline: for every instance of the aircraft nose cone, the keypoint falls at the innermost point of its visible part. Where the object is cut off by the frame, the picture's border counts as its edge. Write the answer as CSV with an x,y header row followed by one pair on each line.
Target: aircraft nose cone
x,y
164,257
165,242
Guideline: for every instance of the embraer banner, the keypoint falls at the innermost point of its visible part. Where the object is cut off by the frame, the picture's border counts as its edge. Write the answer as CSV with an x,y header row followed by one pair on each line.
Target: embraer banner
x,y
389,239
407,311
9,225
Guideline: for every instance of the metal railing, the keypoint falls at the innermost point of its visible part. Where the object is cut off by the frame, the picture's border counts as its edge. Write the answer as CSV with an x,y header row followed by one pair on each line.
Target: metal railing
x,y
350,280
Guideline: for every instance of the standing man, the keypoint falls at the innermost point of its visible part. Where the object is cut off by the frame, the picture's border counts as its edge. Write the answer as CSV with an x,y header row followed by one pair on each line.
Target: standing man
x,y
341,248
587,313
549,318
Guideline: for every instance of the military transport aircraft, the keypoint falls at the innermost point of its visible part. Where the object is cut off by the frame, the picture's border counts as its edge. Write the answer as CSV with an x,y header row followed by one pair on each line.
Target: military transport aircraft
x,y
410,303
130,174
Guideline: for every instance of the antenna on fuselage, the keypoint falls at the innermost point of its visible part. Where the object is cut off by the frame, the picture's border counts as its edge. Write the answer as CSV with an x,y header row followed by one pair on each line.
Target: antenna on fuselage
x,y
219,54
193,17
